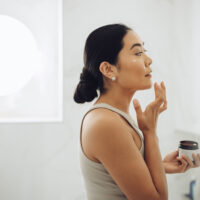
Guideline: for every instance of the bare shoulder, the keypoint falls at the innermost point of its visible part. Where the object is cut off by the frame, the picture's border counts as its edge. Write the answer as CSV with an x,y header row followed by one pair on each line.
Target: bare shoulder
x,y
103,125
100,119
95,116
99,123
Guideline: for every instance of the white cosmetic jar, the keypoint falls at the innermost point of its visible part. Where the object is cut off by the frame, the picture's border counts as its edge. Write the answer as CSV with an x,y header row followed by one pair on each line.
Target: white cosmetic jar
x,y
188,147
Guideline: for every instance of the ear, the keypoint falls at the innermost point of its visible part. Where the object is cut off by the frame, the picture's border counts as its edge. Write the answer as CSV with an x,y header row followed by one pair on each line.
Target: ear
x,y
107,69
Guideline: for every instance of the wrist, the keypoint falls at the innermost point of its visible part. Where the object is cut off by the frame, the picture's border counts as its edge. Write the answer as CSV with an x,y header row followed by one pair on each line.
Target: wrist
x,y
149,131
164,166
151,134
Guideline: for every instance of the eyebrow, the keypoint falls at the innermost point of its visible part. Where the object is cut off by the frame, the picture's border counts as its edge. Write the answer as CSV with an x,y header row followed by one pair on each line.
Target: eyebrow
x,y
136,44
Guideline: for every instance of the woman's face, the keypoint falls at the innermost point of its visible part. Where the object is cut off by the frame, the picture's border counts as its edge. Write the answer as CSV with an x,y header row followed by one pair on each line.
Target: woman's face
x,y
134,64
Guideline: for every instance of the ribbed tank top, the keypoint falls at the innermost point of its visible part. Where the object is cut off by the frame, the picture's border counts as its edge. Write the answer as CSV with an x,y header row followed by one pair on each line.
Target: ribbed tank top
x,y
98,182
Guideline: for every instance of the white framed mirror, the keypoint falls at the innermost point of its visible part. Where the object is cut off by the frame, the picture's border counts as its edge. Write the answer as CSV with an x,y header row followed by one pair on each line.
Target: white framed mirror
x,y
31,61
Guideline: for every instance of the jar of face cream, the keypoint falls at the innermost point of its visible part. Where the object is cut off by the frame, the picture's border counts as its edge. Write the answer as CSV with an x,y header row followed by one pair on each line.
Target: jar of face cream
x,y
188,147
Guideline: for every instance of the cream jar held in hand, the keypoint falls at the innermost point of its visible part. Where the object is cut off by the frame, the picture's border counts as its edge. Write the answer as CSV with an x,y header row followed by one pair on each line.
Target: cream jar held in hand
x,y
188,147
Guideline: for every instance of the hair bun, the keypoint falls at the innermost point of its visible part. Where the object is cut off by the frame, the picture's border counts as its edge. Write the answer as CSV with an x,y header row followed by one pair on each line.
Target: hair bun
x,y
86,77
86,89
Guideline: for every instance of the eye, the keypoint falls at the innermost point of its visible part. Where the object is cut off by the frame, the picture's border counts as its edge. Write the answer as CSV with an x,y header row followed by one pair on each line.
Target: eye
x,y
140,53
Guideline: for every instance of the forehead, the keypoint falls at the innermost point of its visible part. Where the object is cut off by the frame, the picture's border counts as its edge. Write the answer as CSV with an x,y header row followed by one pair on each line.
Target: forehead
x,y
131,38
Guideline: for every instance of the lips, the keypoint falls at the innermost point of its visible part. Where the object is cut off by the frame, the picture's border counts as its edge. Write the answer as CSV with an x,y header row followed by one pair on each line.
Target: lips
x,y
149,74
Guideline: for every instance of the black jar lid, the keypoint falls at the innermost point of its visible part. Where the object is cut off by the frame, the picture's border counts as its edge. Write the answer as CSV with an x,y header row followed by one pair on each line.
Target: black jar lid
x,y
188,144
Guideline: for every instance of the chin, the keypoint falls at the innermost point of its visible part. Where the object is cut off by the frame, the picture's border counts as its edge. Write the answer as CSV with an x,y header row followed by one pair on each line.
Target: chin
x,y
147,87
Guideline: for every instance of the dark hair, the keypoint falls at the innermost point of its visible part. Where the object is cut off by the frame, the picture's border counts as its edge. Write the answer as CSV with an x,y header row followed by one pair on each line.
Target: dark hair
x,y
103,44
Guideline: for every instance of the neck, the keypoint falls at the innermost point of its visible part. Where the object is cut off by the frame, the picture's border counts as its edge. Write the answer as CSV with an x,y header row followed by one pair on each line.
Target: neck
x,y
118,99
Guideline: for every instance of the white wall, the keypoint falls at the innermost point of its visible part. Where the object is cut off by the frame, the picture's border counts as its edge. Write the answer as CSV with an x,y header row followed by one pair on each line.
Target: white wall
x,y
40,161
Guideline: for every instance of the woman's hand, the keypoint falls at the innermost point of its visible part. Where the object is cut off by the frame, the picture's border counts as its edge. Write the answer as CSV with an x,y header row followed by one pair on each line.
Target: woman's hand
x,y
147,120
174,164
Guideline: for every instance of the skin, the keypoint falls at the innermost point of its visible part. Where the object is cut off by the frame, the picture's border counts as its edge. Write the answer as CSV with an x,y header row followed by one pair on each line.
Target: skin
x,y
133,64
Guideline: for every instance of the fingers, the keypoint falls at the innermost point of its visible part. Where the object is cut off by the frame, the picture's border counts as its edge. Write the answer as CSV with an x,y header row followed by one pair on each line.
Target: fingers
x,y
160,97
187,163
188,160
155,90
159,94
174,154
137,107
164,106
196,158
183,164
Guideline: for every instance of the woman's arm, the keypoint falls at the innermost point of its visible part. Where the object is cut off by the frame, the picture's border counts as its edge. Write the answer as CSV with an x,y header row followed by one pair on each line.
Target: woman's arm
x,y
153,160
115,148
147,122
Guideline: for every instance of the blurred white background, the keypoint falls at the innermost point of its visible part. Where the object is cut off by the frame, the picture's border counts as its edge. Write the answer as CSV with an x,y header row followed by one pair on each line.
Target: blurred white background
x,y
41,161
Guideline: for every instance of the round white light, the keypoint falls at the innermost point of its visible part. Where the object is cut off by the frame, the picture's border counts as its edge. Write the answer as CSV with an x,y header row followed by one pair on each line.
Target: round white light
x,y
19,55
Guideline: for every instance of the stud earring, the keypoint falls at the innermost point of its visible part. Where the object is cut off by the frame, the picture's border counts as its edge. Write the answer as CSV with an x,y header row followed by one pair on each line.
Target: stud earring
x,y
113,78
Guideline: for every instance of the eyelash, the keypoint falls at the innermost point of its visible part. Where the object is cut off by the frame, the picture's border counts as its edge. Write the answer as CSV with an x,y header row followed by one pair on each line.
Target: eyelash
x,y
141,52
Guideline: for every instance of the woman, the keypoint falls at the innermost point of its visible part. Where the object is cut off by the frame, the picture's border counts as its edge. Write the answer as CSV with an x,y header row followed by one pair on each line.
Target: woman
x,y
120,160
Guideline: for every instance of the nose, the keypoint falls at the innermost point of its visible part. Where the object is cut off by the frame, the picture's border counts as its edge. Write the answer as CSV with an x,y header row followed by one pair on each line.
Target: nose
x,y
148,61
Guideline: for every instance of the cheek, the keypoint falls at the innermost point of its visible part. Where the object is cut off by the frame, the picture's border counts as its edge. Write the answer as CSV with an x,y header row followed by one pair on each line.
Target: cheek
x,y
132,69
134,60
136,68
132,74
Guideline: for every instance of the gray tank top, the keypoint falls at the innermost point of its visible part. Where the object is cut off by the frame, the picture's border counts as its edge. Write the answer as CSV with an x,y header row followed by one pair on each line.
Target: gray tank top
x,y
98,182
